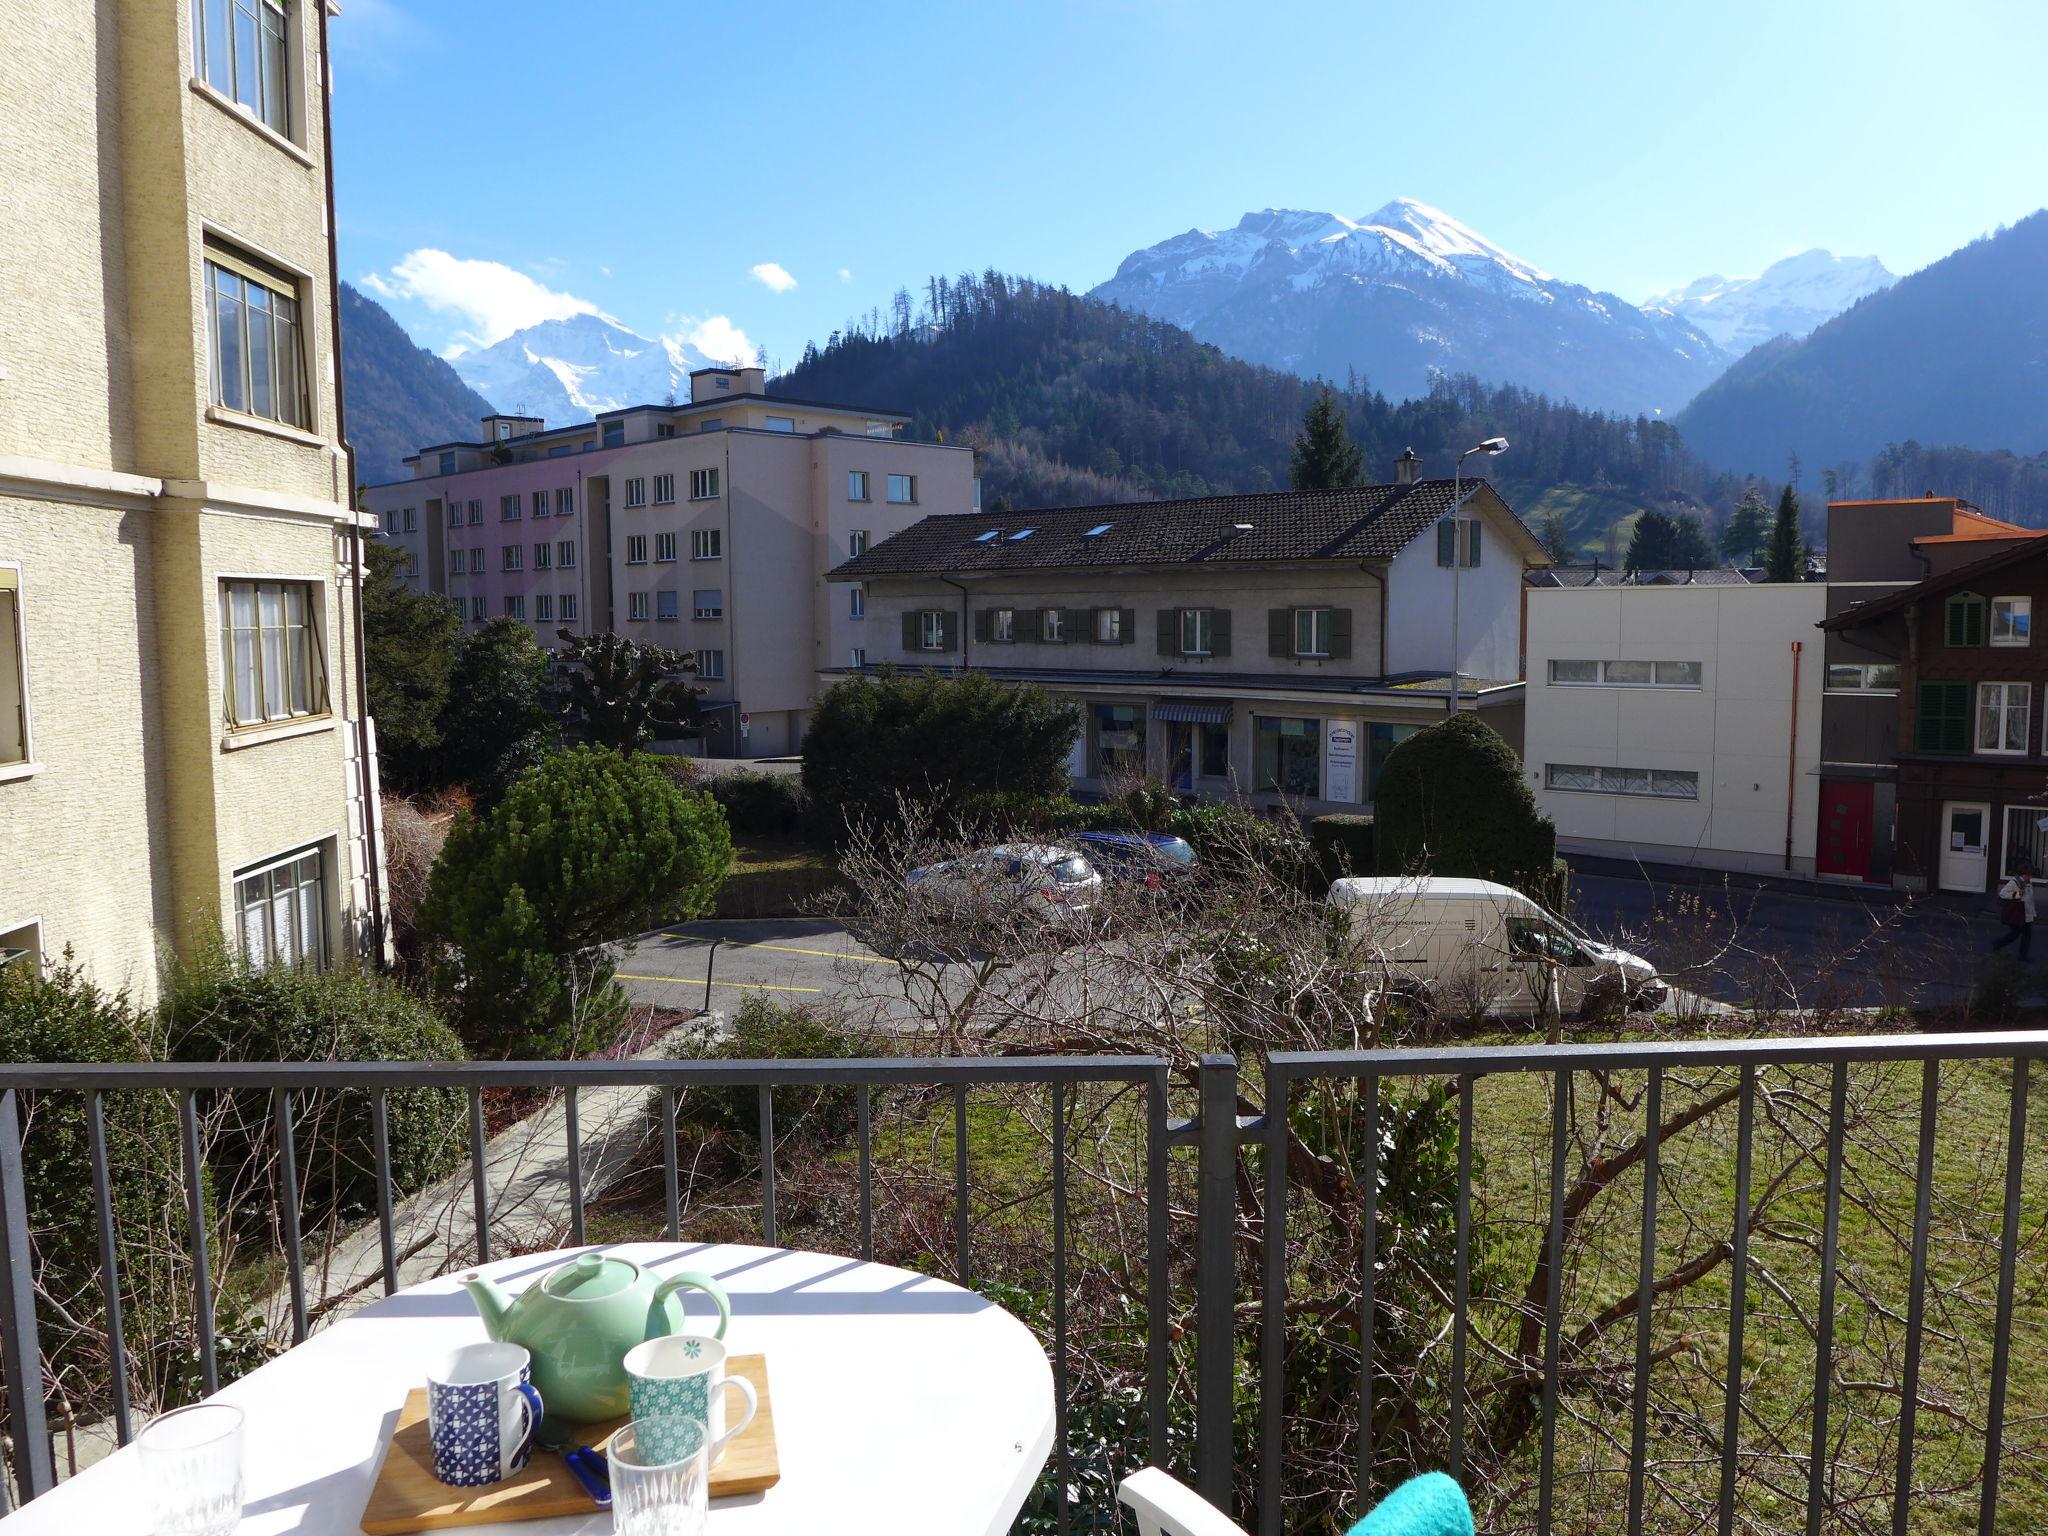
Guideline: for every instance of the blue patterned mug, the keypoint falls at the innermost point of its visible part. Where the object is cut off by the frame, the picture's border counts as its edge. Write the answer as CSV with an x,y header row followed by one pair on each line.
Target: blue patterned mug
x,y
482,1413
679,1378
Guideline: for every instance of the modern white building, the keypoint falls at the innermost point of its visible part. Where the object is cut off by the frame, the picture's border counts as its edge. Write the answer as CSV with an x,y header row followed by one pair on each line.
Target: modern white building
x,y
1678,724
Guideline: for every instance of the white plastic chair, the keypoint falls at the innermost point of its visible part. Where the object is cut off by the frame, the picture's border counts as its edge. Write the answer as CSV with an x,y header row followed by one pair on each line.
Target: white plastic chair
x,y
1165,1507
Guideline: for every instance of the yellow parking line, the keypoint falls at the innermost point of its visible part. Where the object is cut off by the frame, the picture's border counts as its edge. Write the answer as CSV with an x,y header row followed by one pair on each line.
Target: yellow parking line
x,y
698,981
789,949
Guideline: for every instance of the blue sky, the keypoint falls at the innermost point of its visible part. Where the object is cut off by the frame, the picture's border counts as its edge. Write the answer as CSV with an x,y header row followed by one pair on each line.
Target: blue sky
x,y
764,171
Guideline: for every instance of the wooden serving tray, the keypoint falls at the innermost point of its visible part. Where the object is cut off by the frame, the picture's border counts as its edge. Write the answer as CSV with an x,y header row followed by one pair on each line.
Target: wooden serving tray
x,y
408,1497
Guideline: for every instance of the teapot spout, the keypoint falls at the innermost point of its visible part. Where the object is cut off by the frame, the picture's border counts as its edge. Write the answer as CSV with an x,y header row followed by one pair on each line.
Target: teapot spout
x,y
492,1304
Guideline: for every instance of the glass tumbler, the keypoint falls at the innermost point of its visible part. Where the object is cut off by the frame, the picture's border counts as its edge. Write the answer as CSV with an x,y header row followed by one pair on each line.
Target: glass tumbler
x,y
665,1497
192,1470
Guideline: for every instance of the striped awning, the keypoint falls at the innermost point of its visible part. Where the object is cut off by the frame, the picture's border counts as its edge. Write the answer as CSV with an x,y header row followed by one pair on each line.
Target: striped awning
x,y
1192,714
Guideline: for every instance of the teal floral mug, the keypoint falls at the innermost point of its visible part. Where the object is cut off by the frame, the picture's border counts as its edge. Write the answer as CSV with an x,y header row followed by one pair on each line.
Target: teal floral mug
x,y
681,1378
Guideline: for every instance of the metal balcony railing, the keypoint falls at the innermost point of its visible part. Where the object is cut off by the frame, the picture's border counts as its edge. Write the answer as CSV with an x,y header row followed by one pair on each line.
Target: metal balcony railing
x,y
1234,1155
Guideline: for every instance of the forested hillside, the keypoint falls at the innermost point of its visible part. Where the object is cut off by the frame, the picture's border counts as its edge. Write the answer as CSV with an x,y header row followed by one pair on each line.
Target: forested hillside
x,y
1071,399
400,396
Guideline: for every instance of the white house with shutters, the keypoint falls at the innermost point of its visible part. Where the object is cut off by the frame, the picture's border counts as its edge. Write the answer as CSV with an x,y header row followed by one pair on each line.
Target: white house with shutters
x,y
1270,647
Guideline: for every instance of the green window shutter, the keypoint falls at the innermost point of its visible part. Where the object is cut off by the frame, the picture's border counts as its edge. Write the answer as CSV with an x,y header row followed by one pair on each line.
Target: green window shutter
x,y
910,631
1077,625
1472,533
984,623
1127,630
1169,631
1219,632
1942,723
1340,633
1964,620
1446,542
949,630
1279,631
1955,724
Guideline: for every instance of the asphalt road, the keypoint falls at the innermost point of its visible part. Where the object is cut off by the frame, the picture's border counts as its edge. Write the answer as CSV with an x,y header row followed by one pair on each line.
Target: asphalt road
x,y
787,958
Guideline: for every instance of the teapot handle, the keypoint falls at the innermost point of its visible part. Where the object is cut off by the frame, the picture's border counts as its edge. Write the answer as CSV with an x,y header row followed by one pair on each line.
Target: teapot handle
x,y
658,1314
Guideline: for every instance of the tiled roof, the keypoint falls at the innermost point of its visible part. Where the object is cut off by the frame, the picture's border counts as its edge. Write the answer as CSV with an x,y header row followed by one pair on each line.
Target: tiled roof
x,y
1366,522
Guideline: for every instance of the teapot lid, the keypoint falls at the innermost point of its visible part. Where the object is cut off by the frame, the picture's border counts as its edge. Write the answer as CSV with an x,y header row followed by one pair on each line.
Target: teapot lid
x,y
591,1277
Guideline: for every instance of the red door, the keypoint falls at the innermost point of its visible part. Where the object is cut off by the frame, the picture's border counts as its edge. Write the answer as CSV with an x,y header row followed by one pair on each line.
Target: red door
x,y
1845,816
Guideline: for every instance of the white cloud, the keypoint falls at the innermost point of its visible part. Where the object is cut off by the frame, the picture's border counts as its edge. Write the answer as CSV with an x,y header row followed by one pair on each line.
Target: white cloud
x,y
715,336
492,299
845,276
772,276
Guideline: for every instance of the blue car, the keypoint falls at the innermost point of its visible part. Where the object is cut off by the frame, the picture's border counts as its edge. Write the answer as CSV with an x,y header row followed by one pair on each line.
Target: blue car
x,y
1150,859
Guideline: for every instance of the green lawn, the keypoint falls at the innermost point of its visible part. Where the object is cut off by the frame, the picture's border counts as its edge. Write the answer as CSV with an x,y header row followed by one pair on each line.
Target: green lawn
x,y
775,877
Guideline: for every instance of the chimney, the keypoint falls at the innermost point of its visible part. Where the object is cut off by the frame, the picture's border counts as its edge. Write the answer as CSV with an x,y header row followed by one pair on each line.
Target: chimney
x,y
1407,468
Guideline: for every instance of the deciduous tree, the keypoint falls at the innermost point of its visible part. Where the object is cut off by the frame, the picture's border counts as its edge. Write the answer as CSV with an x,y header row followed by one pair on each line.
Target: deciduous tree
x,y
616,692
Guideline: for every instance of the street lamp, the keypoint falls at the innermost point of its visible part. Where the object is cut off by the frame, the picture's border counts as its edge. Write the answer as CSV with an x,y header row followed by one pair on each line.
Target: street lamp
x,y
1491,447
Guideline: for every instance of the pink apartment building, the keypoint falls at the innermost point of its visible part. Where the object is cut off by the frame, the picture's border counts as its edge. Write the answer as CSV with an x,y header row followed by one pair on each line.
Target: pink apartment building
x,y
706,527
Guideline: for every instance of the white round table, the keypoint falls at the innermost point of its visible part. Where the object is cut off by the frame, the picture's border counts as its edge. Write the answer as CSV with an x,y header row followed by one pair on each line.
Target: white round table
x,y
902,1404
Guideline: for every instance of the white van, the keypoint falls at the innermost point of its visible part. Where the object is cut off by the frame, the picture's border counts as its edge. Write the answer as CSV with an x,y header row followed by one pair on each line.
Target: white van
x,y
1474,946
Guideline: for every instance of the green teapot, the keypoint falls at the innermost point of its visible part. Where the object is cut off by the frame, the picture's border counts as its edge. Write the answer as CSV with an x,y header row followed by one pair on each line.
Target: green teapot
x,y
578,1322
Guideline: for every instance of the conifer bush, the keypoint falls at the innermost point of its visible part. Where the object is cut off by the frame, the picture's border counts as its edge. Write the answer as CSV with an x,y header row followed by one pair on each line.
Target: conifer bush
x,y
1452,801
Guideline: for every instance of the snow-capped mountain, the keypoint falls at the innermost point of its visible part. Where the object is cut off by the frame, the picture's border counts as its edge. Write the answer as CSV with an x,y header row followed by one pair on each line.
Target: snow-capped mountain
x,y
566,370
1407,294
1789,298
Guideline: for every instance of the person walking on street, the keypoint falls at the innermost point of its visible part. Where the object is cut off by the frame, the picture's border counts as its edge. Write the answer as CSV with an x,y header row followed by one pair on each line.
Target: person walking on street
x,y
2016,911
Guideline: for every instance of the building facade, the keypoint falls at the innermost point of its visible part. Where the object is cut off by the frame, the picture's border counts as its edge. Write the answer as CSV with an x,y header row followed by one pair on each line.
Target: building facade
x,y
705,527
1268,648
182,748
1679,723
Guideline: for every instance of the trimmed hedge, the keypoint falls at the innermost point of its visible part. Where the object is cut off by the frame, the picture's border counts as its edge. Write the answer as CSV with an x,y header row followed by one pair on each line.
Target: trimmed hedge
x,y
1452,800
1343,845
762,804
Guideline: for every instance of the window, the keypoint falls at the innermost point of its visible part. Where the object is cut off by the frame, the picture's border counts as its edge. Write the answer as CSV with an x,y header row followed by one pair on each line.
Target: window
x,y
1660,783
636,605
666,606
543,555
636,549
711,665
2002,711
856,485
779,423
856,543
447,463
1119,739
1052,625
991,535
710,424
636,492
614,434
476,561
515,605
1461,535
1626,674
568,607
1213,759
1097,531
1874,677
476,608
708,603
258,363
706,543
857,657
703,484
1963,620
455,562
664,429
1289,757
1197,631
931,630
412,562
514,558
1380,740
508,508
1311,631
664,549
476,513
411,520
23,947
1002,625
565,554
880,429
540,503
242,49
565,501
2012,620
664,490
543,607
281,911
903,488
857,602
454,514
14,741
1109,626
275,664
2026,841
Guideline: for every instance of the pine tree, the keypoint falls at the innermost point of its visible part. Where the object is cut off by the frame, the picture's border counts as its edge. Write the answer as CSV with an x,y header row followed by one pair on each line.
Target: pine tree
x,y
1748,530
1324,455
1650,546
1556,535
1787,555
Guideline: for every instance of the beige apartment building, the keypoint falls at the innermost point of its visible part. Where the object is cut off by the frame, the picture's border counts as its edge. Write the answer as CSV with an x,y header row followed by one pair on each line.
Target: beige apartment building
x,y
182,748
706,526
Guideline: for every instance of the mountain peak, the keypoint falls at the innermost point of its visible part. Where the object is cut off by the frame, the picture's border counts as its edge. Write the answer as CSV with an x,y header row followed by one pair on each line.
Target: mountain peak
x,y
1441,235
1790,297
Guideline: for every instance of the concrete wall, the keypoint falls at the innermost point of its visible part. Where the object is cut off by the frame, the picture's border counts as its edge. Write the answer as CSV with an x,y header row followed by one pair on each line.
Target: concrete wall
x,y
1488,601
1734,730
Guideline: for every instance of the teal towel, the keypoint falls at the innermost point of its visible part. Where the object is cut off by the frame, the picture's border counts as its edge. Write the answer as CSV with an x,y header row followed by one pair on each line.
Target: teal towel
x,y
1429,1505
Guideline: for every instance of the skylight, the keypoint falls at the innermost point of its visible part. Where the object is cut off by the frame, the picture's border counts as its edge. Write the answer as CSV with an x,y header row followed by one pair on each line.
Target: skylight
x,y
1097,531
1022,533
993,533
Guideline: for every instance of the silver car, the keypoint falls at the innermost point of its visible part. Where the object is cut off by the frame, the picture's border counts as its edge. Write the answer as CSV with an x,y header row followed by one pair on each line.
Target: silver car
x,y
1046,883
